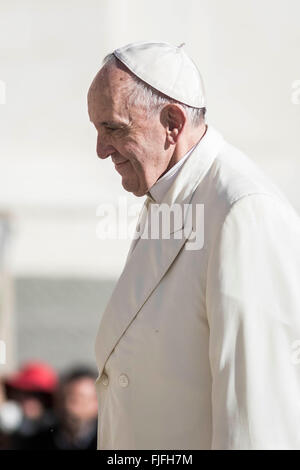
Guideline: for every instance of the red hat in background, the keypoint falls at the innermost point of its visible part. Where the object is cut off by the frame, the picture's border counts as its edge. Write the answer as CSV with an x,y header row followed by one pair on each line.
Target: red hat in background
x,y
34,376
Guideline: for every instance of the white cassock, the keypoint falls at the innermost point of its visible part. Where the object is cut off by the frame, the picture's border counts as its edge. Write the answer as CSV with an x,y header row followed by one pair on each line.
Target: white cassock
x,y
200,348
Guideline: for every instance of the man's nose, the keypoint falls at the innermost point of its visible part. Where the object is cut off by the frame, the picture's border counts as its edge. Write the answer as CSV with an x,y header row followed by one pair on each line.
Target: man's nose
x,y
104,149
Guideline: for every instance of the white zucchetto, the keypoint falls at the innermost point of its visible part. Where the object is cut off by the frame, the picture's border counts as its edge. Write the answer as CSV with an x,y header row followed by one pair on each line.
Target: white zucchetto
x,y
166,68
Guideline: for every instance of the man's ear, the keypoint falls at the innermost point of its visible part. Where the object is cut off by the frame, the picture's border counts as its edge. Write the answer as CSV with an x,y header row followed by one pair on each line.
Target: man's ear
x,y
173,119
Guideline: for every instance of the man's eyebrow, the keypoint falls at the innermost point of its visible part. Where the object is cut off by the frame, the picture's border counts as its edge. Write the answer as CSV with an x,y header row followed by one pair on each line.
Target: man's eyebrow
x,y
113,123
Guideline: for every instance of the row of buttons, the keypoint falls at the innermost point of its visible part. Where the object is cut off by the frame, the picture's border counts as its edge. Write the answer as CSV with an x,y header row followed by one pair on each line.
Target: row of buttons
x,y
122,380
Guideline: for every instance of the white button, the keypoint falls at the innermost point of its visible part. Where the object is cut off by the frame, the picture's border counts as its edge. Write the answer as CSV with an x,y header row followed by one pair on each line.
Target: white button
x,y
123,380
104,379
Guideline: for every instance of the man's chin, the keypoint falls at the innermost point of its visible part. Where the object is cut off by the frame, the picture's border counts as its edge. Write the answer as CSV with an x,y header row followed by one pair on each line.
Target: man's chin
x,y
133,189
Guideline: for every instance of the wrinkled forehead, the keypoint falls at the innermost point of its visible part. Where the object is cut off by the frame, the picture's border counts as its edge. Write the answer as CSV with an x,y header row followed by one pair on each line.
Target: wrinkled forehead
x,y
109,93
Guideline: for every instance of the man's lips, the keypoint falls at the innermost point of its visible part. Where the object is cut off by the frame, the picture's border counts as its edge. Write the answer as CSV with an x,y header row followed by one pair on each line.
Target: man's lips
x,y
117,165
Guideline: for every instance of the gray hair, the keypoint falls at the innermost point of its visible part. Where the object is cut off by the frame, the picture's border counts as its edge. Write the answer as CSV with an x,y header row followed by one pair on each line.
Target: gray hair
x,y
148,97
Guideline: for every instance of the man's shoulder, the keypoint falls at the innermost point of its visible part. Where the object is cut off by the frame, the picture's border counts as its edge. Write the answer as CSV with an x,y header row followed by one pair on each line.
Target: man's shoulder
x,y
232,180
232,176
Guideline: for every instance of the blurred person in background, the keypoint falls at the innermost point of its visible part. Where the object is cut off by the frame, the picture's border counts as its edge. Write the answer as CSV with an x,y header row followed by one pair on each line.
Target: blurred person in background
x,y
76,410
27,410
10,418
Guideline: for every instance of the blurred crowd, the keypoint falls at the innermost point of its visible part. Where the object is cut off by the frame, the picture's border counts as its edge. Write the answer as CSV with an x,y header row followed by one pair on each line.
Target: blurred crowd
x,y
42,410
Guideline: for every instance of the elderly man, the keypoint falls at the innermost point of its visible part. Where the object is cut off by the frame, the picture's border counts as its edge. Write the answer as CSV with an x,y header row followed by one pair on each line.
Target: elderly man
x,y
198,347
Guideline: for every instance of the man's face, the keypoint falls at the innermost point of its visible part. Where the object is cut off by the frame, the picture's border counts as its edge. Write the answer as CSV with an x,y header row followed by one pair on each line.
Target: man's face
x,y
136,144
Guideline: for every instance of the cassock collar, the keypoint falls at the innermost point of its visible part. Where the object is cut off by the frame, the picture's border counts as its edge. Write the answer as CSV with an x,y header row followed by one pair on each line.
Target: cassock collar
x,y
160,188
163,184
193,169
